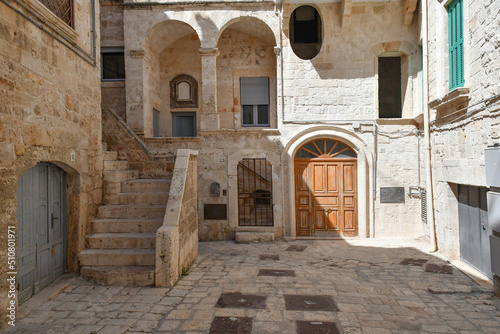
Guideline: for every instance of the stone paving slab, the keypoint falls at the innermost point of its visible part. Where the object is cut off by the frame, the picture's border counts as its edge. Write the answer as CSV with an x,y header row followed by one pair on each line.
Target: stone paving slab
x,y
372,291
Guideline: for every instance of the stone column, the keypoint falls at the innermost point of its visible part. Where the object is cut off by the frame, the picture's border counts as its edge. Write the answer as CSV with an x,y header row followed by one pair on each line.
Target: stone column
x,y
135,80
209,118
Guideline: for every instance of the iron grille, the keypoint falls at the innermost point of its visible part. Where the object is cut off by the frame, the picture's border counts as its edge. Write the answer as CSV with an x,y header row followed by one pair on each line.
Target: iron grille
x,y
63,9
423,205
255,193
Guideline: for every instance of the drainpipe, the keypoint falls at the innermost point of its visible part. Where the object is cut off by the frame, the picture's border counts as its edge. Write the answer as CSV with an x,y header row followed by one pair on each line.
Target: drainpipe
x,y
427,138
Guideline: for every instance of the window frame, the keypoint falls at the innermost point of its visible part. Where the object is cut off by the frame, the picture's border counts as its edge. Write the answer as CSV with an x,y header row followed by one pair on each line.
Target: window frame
x,y
113,50
255,107
456,44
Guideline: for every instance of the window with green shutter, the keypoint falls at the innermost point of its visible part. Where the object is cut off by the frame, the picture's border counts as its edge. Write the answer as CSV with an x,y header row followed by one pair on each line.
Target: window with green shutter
x,y
456,44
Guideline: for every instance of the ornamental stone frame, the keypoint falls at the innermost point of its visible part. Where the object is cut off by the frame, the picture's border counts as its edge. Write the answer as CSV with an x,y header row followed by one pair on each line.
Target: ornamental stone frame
x,y
192,102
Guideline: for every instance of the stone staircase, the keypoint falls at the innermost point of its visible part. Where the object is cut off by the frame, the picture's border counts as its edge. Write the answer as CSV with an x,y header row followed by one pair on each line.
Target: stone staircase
x,y
121,247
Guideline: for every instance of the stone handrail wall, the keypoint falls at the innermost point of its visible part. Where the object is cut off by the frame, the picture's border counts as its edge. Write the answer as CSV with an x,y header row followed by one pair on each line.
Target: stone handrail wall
x,y
177,239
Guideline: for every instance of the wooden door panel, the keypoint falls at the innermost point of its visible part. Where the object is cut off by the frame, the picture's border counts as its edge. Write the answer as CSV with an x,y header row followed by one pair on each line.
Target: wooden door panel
x,y
303,223
349,201
332,181
333,220
319,219
318,178
326,201
348,179
302,178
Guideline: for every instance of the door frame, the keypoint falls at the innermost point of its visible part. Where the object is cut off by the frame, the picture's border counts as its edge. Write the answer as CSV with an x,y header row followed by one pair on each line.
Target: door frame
x,y
365,172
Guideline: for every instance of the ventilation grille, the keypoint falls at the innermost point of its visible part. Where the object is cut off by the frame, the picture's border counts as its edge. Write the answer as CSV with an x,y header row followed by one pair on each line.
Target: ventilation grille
x,y
423,205
62,8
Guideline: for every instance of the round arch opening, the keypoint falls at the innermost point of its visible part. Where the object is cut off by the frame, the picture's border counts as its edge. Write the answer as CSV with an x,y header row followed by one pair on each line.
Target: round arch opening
x,y
325,172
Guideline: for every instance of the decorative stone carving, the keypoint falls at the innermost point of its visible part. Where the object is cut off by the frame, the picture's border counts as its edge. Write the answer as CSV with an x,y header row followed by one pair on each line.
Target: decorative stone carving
x,y
183,92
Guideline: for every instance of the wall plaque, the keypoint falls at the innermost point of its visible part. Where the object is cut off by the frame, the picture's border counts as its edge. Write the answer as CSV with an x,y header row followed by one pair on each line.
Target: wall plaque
x,y
215,212
392,194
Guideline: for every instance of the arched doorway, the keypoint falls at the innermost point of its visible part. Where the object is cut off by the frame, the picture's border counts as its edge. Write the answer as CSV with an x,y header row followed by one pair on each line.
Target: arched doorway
x,y
42,237
326,189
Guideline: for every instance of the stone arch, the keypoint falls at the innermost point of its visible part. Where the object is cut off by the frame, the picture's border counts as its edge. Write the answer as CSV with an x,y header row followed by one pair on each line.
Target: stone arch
x,y
250,23
167,32
246,74
364,174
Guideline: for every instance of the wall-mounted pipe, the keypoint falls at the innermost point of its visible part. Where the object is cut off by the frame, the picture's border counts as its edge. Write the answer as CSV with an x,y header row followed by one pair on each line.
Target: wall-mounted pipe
x,y
427,138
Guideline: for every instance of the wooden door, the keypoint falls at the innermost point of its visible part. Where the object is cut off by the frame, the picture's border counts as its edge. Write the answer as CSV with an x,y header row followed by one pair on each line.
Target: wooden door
x,y
325,190
41,205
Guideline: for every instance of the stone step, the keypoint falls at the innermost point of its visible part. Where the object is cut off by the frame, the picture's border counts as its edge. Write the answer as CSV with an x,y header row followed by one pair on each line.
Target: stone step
x,y
104,146
109,155
117,257
110,165
126,225
121,240
155,198
116,176
126,275
146,185
131,211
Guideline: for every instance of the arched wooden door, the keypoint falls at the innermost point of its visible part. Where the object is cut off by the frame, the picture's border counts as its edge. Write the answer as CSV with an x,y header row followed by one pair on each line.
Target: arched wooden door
x,y
326,189
41,216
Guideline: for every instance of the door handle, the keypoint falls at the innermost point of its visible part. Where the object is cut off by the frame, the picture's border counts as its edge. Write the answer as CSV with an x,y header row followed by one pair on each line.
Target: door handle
x,y
52,218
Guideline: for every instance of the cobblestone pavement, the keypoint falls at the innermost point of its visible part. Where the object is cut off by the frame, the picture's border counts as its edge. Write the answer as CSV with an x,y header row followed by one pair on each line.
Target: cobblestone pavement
x,y
364,286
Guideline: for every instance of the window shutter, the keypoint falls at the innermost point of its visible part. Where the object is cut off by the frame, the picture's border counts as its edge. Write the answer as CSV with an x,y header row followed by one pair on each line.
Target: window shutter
x,y
455,41
254,90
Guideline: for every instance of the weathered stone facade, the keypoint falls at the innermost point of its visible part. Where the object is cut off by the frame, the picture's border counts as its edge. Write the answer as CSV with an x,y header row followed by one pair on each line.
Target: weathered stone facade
x,y
333,96
49,93
464,121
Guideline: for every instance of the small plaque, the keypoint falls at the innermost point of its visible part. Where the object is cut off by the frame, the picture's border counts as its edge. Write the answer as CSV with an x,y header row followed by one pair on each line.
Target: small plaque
x,y
215,211
215,189
392,194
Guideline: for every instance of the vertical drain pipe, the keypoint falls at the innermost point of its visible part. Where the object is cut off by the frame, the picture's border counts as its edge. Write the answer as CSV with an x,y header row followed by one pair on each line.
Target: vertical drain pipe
x,y
427,138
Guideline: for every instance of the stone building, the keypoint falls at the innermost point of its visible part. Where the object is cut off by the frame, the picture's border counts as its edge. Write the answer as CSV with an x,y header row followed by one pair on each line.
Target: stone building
x,y
325,119
50,139
273,86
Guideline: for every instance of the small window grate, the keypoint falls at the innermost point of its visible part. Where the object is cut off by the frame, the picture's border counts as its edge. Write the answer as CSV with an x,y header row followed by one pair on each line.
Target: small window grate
x,y
63,9
423,205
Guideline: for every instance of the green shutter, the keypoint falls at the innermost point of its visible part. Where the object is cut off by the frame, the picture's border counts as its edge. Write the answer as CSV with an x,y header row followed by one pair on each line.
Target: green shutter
x,y
456,44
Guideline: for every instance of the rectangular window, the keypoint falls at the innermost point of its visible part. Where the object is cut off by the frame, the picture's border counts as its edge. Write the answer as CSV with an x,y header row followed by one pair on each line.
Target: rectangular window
x,y
254,93
63,9
456,44
184,124
156,123
389,87
113,64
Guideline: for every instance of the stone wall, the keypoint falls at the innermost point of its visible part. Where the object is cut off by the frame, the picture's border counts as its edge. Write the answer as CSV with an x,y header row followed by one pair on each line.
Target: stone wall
x,y
333,90
340,83
459,139
49,112
177,239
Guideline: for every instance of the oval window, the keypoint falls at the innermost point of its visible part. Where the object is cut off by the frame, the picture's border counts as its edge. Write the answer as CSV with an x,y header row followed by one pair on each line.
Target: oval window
x,y
305,32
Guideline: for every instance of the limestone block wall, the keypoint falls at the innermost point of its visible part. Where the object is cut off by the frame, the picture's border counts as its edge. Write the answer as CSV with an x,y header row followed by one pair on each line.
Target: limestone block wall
x,y
341,82
113,92
177,238
459,140
49,112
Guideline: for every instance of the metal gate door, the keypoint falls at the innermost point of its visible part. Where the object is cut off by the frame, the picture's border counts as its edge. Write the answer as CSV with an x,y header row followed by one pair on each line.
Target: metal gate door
x,y
255,193
41,217
473,227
